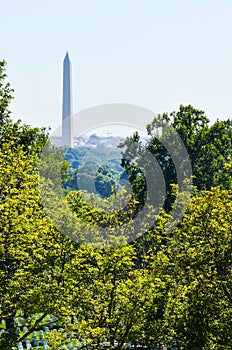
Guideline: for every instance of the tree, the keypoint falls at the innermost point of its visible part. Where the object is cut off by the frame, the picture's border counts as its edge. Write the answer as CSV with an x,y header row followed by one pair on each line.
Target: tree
x,y
209,149
30,246
198,262
5,93
166,288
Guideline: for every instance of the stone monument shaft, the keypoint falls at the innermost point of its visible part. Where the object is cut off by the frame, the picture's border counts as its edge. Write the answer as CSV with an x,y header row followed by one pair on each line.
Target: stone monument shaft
x,y
67,103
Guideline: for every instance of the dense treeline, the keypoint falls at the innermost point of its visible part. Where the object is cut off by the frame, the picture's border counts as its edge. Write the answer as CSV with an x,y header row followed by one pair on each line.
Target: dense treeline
x,y
94,165
168,288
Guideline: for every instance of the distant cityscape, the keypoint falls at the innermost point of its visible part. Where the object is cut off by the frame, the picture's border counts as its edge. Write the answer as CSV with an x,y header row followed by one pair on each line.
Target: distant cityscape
x,y
93,140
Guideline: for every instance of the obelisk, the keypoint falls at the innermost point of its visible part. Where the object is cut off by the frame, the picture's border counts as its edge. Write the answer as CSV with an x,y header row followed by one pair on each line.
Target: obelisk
x,y
67,138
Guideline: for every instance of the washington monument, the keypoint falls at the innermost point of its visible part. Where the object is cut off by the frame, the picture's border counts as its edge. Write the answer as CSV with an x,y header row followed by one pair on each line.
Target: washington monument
x,y
67,137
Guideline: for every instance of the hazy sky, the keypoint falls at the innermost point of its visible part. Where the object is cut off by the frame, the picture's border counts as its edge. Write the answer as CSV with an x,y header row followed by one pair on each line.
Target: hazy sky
x,y
152,53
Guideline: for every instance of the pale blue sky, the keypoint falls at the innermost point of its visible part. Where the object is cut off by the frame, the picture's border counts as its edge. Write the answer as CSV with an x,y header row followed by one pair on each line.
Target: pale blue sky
x,y
152,53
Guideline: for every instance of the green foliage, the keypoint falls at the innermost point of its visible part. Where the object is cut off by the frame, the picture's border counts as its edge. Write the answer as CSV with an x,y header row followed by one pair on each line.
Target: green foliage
x,y
5,94
94,169
198,264
209,148
172,289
